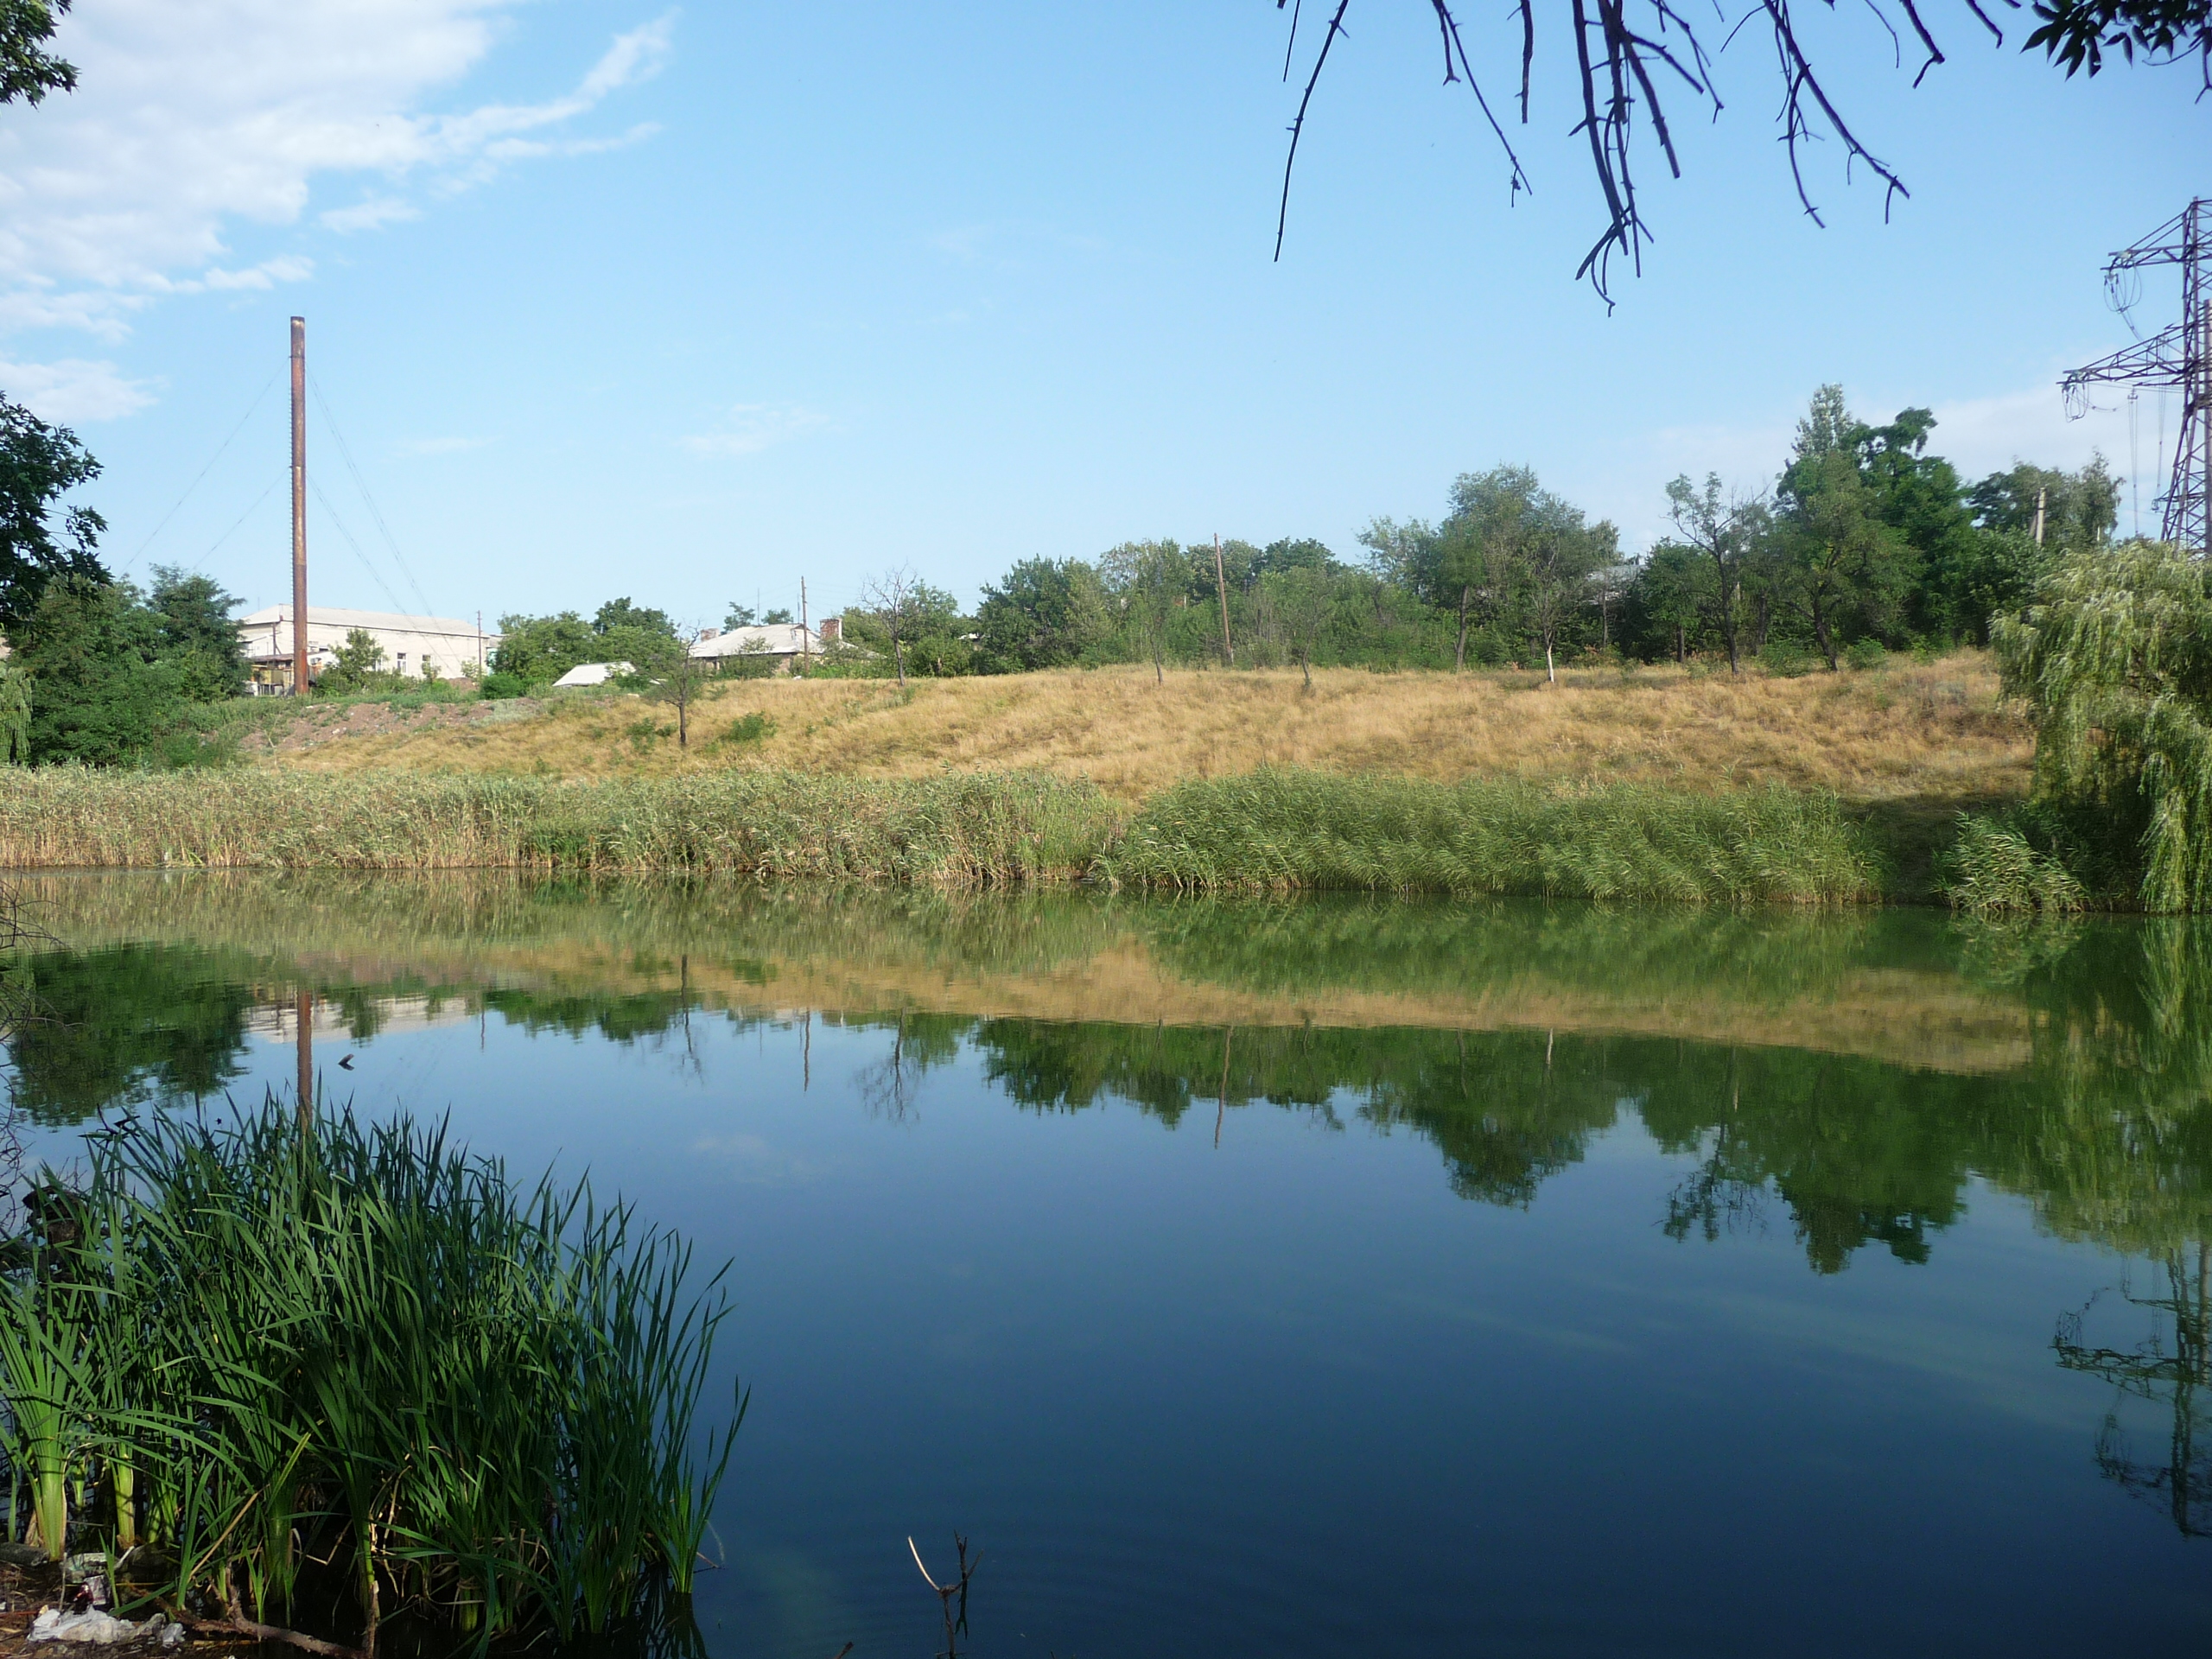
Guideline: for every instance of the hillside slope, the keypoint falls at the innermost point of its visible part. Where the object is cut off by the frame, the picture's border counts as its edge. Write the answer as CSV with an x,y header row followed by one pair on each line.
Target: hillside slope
x,y
1928,734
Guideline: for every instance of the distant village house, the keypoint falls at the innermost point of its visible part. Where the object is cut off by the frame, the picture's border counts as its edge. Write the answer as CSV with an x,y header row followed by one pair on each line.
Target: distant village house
x,y
783,643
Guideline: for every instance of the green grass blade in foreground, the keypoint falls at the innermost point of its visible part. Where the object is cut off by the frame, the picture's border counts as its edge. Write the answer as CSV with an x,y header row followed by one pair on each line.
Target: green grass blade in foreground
x,y
333,1342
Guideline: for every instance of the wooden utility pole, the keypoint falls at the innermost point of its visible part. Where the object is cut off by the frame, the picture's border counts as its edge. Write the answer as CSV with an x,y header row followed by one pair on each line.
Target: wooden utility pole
x,y
299,508
2040,495
805,657
1221,587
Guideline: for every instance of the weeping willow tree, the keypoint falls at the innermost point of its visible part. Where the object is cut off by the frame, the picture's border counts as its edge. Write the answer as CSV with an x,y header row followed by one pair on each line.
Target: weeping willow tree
x,y
2115,660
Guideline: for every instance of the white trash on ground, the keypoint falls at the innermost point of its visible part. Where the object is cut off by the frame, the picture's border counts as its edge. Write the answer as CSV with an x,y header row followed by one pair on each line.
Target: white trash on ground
x,y
103,1630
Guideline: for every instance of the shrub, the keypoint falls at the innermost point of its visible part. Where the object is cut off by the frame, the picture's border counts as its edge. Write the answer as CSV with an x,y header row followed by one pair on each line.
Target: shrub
x,y
498,684
1863,654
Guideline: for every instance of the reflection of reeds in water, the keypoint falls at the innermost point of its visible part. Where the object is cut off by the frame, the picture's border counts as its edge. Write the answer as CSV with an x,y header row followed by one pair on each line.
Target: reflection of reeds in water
x,y
275,1343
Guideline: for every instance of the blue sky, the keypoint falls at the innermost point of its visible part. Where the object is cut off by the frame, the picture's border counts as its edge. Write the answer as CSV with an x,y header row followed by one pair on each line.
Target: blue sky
x,y
611,298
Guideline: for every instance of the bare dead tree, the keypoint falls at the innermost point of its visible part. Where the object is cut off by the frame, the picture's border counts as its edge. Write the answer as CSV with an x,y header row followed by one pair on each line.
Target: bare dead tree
x,y
1629,52
894,599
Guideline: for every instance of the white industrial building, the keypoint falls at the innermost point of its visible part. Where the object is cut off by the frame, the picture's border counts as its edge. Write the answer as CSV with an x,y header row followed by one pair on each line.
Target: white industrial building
x,y
413,645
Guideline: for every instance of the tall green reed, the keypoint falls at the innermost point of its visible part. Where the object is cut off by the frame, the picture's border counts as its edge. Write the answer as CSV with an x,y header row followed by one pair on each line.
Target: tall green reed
x,y
293,1341
1287,830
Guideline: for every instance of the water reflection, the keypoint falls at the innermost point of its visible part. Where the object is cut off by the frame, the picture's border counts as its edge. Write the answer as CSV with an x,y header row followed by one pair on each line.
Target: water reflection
x,y
1849,1077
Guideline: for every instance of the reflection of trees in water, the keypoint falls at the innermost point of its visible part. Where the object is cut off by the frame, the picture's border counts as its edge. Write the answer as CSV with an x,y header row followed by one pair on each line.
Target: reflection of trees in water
x,y
2173,1367
125,1025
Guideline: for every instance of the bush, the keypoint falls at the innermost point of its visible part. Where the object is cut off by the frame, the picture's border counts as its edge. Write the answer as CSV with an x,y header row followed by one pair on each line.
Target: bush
x,y
498,684
1863,654
1787,658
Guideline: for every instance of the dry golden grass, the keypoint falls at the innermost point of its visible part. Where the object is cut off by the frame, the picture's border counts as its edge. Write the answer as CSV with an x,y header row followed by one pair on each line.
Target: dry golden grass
x,y
1928,732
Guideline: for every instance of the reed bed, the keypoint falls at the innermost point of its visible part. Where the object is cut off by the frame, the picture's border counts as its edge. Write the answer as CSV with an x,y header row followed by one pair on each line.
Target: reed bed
x,y
289,1342
952,829
1288,831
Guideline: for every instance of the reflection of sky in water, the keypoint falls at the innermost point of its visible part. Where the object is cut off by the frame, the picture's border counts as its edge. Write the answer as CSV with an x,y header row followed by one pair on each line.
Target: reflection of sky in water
x,y
1293,1393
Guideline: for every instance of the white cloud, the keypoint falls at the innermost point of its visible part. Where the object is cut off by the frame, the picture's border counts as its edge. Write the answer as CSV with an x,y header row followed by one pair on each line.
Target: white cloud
x,y
193,114
73,391
371,214
751,427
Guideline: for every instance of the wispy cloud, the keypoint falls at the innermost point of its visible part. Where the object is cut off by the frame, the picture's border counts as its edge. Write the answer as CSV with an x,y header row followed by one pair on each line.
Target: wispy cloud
x,y
371,214
194,117
73,391
750,427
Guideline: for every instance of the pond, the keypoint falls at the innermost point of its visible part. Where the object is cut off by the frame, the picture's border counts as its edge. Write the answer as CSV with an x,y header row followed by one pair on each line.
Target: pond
x,y
1311,1278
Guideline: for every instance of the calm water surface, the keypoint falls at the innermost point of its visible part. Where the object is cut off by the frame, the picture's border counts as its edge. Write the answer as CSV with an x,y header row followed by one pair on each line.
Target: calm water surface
x,y
1319,1279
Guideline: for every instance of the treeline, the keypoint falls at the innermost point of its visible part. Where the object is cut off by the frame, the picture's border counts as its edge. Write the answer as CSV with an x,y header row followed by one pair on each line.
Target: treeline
x,y
1865,540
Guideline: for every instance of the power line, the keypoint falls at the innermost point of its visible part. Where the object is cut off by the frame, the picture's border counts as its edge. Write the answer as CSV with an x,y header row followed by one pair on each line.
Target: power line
x,y
234,530
361,484
315,484
203,473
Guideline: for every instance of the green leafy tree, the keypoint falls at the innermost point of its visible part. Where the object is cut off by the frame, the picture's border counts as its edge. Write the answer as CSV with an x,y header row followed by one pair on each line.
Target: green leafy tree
x,y
2115,660
360,662
2078,509
1043,614
1725,530
540,649
197,632
1675,593
41,540
27,70
1840,567
100,692
1559,555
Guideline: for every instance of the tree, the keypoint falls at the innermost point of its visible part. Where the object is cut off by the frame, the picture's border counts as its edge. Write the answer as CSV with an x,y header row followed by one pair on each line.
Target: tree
x,y
1043,614
1725,533
100,692
540,649
2076,510
1304,602
679,680
39,464
360,662
198,632
1839,556
893,601
1557,553
1157,587
1671,588
1630,54
2115,659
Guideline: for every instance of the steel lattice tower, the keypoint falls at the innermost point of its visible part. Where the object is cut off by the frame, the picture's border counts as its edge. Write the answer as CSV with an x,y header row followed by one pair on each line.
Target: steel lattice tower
x,y
2178,356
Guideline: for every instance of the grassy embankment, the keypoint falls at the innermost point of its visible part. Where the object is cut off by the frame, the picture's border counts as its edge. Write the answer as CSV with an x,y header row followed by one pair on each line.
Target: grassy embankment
x,y
1649,783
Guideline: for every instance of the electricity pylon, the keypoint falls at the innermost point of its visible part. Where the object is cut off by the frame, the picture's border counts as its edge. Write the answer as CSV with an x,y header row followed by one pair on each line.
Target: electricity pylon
x,y
2178,356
